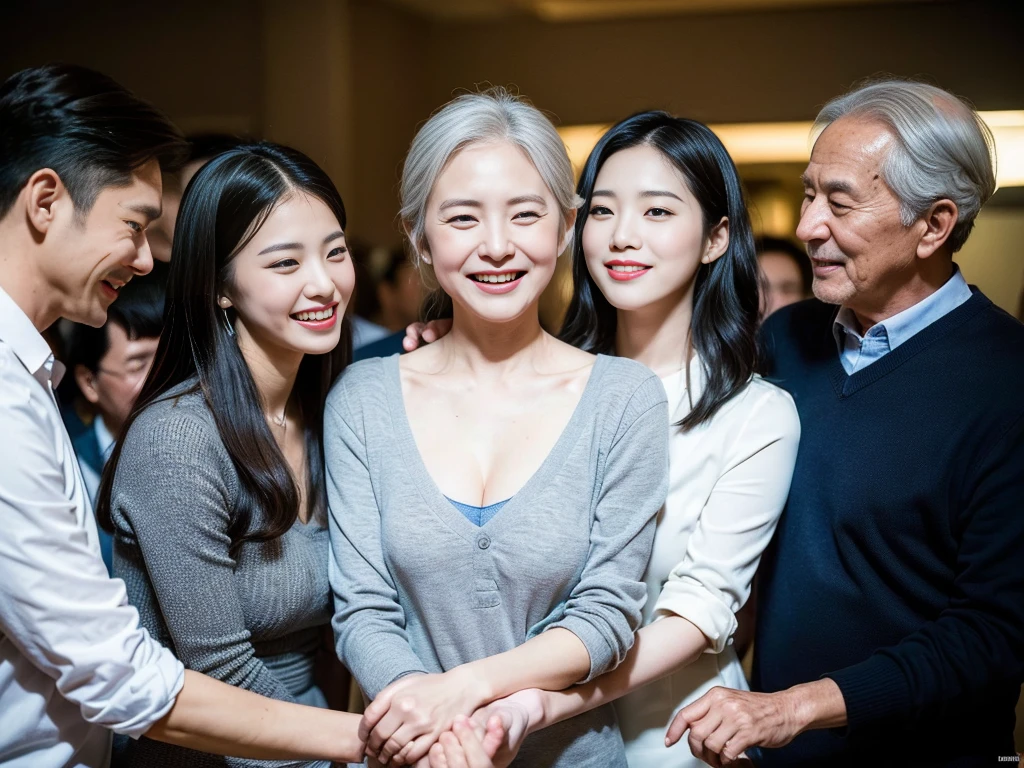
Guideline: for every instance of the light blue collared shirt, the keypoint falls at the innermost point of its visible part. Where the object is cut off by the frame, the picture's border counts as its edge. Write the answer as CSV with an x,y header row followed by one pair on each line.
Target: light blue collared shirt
x,y
858,352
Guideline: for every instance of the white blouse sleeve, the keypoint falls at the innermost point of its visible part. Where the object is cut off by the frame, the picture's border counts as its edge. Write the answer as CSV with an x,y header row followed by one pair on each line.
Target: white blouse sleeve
x,y
713,580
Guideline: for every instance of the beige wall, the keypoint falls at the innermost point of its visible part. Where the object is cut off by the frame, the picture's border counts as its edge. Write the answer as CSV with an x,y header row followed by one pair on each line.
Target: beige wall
x,y
992,259
777,65
201,62
308,82
348,81
389,53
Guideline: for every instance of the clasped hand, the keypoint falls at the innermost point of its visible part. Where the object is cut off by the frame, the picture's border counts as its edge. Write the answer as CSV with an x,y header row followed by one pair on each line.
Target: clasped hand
x,y
723,723
408,716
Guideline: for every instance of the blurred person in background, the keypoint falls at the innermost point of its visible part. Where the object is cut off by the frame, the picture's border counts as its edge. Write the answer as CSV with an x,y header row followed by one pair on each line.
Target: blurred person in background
x,y
365,304
80,181
108,365
399,292
785,273
202,148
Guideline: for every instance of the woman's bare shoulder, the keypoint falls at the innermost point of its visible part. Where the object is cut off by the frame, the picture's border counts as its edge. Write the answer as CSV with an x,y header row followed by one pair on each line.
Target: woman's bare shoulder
x,y
571,357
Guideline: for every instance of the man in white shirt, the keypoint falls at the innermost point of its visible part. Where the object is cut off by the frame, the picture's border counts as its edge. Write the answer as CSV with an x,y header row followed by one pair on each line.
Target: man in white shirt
x,y
80,180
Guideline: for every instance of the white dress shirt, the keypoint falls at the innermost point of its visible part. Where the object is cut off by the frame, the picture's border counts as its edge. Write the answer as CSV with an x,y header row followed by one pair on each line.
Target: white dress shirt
x,y
728,482
74,661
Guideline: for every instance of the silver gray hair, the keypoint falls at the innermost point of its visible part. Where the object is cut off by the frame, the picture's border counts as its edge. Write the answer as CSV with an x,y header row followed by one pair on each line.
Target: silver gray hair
x,y
474,118
943,149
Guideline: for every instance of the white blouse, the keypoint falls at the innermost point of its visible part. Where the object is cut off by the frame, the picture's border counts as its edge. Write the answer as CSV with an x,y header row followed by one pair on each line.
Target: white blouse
x,y
728,482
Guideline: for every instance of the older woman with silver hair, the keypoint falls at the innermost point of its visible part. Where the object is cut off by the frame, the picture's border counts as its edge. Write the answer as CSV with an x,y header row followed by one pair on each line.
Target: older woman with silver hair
x,y
890,625
493,495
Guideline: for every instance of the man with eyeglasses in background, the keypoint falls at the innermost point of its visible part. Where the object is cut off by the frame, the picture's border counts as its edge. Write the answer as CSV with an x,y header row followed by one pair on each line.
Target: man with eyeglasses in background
x,y
109,365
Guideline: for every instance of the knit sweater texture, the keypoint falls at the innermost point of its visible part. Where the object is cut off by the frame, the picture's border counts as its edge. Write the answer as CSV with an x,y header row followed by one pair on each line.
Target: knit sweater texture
x,y
253,620
897,569
419,588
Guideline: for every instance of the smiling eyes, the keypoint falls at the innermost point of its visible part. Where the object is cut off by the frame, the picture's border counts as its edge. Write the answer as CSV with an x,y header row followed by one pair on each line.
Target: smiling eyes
x,y
336,254
467,218
654,213
838,207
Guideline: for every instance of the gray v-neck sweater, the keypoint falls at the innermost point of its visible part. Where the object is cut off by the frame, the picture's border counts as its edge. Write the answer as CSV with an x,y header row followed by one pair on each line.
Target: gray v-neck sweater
x,y
253,620
419,588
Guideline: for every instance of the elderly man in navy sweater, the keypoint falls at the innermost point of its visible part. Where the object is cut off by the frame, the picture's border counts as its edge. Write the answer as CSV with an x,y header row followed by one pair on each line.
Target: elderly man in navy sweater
x,y
890,624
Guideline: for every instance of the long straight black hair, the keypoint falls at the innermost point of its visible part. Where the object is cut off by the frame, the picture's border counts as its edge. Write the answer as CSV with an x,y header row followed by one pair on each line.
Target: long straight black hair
x,y
723,328
223,207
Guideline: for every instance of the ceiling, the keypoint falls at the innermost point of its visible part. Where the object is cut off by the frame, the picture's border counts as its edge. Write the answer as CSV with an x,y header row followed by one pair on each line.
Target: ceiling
x,y
583,10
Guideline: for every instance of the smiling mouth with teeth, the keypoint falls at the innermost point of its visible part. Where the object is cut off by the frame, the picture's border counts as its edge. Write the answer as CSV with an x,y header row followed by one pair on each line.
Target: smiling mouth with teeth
x,y
323,314
505,277
115,284
627,267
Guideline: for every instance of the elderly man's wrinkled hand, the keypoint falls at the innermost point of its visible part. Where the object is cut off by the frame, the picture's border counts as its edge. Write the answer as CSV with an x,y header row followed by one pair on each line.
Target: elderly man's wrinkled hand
x,y
723,723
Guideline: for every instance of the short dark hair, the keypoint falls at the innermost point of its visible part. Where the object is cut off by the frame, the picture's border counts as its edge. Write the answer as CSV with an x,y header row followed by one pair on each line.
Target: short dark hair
x,y
91,131
139,310
798,255
397,260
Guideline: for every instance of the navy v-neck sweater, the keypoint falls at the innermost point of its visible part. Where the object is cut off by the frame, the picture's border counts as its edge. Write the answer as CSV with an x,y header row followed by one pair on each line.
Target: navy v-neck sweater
x,y
897,568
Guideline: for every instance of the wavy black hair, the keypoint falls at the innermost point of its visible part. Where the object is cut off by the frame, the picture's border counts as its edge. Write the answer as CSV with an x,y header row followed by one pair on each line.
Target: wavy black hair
x,y
224,206
723,328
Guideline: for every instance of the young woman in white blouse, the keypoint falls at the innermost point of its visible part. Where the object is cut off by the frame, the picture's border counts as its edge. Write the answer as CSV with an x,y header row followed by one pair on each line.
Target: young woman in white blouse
x,y
665,273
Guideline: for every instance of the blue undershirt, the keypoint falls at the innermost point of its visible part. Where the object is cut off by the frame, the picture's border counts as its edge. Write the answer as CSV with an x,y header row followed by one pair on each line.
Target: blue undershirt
x,y
478,515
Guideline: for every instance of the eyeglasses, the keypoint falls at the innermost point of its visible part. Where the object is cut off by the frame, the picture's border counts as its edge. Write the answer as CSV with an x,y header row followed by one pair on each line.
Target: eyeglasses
x,y
137,371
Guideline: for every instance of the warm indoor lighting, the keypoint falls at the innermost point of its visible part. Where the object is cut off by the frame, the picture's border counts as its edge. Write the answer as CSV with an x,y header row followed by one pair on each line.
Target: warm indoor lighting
x,y
750,143
1008,130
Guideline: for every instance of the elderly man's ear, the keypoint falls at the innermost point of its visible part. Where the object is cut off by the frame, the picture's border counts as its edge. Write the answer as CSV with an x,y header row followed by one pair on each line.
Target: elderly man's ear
x,y
938,223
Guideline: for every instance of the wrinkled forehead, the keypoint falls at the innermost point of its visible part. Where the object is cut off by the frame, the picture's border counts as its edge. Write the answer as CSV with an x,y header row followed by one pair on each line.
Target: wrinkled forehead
x,y
850,148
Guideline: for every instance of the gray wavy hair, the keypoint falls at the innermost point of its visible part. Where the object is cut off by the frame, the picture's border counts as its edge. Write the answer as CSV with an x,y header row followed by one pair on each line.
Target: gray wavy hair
x,y
473,118
943,149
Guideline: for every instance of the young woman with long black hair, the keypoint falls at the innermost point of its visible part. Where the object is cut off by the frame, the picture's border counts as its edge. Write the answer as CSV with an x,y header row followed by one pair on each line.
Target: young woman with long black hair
x,y
665,272
216,492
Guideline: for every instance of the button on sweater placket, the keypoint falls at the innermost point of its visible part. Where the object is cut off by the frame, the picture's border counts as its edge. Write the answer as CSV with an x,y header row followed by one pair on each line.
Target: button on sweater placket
x,y
485,575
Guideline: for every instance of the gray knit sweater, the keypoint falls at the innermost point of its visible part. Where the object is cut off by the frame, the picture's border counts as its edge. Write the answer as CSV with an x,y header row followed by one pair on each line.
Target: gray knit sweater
x,y
419,588
253,622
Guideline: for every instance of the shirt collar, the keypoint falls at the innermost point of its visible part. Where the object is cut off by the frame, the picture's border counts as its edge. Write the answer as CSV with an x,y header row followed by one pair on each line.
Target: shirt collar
x,y
902,326
27,343
676,387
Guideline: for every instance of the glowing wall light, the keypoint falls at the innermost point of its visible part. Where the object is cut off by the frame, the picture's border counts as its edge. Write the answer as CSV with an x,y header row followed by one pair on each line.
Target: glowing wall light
x,y
1008,130
750,143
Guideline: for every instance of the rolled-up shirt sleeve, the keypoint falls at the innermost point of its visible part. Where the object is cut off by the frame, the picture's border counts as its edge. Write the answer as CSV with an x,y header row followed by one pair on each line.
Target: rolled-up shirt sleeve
x,y
713,579
58,606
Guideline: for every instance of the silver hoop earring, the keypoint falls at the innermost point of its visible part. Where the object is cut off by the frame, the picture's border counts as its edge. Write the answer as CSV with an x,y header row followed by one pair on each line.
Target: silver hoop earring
x,y
227,323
